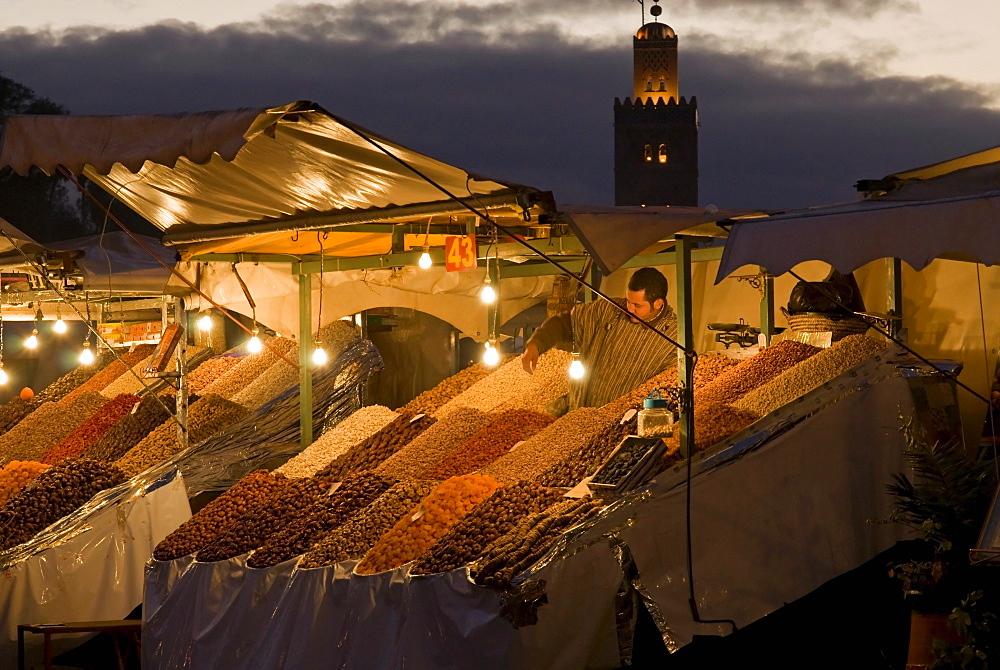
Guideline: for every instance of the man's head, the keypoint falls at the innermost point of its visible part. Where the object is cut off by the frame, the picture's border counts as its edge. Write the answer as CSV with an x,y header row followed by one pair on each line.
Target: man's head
x,y
647,294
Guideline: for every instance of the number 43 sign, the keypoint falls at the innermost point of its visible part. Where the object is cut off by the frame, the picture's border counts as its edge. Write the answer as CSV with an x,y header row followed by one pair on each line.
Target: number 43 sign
x,y
460,253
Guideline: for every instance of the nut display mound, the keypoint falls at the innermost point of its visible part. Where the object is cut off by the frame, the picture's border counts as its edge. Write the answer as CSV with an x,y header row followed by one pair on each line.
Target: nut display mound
x,y
355,538
58,389
417,531
488,520
713,423
211,370
424,450
216,517
47,425
370,453
359,426
510,387
16,475
795,382
519,548
753,372
88,432
489,443
249,368
584,461
279,377
133,427
320,519
206,417
550,445
431,400
14,410
132,380
60,490
709,366
282,507
111,371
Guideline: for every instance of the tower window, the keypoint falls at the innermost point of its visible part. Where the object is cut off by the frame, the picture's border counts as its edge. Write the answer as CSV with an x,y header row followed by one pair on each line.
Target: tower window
x,y
648,153
663,153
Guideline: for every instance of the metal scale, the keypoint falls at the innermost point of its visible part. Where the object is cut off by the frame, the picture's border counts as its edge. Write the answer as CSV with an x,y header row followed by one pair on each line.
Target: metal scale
x,y
740,333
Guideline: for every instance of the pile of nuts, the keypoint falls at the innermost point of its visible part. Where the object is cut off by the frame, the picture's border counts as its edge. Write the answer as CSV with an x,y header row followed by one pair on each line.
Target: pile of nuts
x,y
519,548
828,364
550,445
415,533
128,381
320,519
16,475
206,417
216,517
489,443
91,430
585,460
510,387
367,455
280,376
755,371
433,444
488,520
14,410
211,370
283,506
111,371
249,368
128,432
356,537
429,401
60,490
709,367
58,389
622,462
359,426
713,422
40,430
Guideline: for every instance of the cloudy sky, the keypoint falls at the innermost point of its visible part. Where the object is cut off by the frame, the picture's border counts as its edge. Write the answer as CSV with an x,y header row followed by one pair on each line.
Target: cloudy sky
x,y
797,98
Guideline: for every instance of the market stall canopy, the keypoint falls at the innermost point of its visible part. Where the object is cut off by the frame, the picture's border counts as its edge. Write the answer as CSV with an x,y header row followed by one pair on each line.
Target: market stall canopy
x,y
244,180
12,239
945,210
613,235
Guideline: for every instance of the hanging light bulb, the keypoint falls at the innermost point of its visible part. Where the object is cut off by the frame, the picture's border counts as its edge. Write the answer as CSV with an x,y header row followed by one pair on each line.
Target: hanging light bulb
x,y
32,340
3,375
254,344
319,354
59,326
425,258
205,322
86,356
576,369
491,356
488,295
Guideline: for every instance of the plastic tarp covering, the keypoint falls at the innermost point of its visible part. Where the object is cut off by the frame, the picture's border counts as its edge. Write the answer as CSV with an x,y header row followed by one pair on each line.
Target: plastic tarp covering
x,y
88,566
114,261
779,509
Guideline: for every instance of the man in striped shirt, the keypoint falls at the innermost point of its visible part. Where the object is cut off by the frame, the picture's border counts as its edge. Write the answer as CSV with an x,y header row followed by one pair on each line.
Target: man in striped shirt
x,y
617,352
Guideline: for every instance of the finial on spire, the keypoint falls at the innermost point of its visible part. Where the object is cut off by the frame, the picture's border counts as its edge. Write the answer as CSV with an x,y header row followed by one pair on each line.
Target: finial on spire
x,y
654,11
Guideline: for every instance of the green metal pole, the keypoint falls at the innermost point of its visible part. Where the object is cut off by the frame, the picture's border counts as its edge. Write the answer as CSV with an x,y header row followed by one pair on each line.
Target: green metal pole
x,y
305,372
767,306
894,295
685,337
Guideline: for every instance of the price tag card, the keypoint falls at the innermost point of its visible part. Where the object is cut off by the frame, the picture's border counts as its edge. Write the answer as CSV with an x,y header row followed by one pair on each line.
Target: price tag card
x,y
460,253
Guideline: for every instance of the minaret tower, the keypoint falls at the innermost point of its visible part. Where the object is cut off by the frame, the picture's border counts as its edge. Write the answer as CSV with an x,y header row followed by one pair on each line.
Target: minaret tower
x,y
656,131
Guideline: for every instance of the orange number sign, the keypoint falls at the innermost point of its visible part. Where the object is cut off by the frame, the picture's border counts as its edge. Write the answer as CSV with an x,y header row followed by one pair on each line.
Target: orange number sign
x,y
460,253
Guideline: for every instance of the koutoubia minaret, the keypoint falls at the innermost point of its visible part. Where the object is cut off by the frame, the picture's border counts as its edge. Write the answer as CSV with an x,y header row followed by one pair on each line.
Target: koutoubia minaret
x,y
656,130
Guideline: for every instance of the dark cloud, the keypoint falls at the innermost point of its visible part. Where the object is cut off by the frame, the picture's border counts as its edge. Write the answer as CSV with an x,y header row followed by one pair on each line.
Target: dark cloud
x,y
533,107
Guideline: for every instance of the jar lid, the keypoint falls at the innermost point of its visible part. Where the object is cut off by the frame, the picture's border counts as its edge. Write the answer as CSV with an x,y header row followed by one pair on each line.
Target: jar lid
x,y
654,403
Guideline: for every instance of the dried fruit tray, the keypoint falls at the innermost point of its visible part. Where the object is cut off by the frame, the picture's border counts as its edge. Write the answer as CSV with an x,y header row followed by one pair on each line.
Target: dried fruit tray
x,y
628,466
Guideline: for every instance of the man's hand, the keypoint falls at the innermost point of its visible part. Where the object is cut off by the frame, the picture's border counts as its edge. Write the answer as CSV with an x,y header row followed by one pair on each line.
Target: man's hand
x,y
529,359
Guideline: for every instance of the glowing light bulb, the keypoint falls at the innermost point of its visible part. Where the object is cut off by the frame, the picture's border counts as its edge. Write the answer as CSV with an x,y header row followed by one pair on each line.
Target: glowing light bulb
x,y
488,295
254,345
425,260
205,323
59,326
3,376
491,356
576,369
32,340
86,356
319,355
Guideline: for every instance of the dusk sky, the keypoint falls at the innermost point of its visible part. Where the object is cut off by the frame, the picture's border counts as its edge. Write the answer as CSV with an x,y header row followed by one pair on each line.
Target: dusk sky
x,y
797,98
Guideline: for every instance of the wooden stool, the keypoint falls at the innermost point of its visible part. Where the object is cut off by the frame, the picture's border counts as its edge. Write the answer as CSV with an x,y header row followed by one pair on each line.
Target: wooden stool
x,y
127,628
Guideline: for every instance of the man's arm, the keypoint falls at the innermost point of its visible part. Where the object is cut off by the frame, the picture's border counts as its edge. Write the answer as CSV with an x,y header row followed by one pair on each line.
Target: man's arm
x,y
554,330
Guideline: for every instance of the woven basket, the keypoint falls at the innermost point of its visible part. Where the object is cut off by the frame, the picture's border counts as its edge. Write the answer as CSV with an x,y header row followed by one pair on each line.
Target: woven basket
x,y
813,322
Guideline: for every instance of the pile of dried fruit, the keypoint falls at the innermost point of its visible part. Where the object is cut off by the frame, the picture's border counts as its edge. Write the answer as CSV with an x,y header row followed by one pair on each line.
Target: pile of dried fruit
x,y
40,430
250,531
60,490
210,371
216,517
249,368
16,475
755,371
14,410
91,430
487,521
359,426
433,444
128,432
320,519
111,371
368,454
206,417
58,389
584,461
429,401
356,537
709,367
519,548
489,443
550,445
713,422
415,533
510,387
828,364
131,381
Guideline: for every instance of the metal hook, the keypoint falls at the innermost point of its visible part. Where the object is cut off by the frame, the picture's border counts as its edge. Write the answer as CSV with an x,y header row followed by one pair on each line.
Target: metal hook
x,y
295,238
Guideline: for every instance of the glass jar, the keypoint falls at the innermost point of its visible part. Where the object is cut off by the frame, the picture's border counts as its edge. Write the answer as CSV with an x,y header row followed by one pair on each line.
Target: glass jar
x,y
655,419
